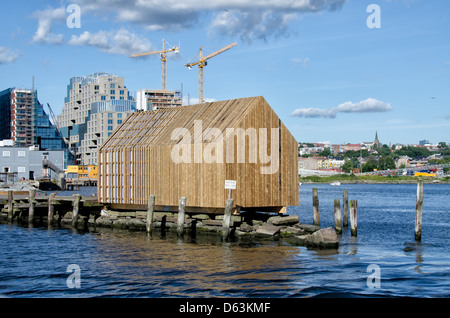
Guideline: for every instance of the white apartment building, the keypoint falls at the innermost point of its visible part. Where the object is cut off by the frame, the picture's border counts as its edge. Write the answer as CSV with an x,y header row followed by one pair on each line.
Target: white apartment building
x,y
94,107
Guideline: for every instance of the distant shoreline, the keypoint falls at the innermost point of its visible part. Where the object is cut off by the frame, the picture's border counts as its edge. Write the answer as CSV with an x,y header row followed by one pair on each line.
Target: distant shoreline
x,y
349,179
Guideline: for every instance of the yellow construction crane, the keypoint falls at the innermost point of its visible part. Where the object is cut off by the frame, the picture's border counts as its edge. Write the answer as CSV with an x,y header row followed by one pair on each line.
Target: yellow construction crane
x,y
201,73
163,62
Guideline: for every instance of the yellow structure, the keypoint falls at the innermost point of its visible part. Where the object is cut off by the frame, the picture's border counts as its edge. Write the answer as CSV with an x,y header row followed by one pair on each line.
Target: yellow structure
x,y
81,172
424,174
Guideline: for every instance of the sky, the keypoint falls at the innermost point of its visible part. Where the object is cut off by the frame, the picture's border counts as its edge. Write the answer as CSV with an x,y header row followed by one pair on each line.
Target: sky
x,y
334,71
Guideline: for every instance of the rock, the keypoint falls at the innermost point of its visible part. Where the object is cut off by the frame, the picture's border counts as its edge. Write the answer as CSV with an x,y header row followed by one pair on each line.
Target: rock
x,y
103,221
300,239
245,227
283,220
324,238
201,216
291,230
308,228
268,229
257,222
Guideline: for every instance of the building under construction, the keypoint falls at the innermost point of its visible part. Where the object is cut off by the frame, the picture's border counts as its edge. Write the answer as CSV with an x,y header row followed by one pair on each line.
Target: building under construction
x,y
157,99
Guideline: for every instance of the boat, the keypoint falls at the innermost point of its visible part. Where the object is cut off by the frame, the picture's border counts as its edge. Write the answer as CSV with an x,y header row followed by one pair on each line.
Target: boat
x,y
335,183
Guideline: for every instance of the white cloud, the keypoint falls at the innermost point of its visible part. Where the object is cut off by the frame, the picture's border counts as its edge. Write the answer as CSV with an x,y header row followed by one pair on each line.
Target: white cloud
x,y
247,19
113,42
45,20
194,100
8,55
369,105
300,61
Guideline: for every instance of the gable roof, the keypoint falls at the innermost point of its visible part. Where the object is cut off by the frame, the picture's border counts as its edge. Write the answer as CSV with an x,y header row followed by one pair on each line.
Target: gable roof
x,y
155,127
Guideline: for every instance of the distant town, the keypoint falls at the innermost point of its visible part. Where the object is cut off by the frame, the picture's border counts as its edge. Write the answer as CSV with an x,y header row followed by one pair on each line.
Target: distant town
x,y
422,159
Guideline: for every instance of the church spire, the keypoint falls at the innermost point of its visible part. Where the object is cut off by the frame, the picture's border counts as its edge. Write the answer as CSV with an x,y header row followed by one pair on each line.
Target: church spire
x,y
376,142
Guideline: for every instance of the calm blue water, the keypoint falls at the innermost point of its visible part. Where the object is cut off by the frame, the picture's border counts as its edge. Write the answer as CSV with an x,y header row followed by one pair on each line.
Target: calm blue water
x,y
113,263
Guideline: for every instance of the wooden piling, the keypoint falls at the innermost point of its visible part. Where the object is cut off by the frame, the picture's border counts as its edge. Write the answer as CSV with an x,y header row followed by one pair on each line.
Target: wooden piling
x,y
419,207
354,217
337,216
150,210
181,208
345,209
316,220
76,208
51,209
10,205
227,218
32,201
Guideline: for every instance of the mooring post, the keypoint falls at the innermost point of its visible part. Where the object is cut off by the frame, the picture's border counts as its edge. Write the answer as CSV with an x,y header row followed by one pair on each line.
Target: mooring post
x,y
337,216
76,208
419,207
150,210
227,218
181,208
10,205
31,199
345,209
51,209
316,220
354,217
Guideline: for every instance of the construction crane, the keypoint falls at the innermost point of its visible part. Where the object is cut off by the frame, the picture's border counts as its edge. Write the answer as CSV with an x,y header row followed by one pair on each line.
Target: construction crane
x,y
163,61
55,123
201,72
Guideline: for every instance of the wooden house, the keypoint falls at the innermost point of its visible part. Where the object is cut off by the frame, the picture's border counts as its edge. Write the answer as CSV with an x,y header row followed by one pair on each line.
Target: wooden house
x,y
190,151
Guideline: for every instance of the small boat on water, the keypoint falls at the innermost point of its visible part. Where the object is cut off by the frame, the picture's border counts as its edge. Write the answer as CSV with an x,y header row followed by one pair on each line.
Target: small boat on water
x,y
335,183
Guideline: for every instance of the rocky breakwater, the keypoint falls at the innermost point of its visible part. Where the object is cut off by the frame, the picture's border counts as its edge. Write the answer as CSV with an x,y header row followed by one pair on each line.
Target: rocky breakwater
x,y
245,226
289,228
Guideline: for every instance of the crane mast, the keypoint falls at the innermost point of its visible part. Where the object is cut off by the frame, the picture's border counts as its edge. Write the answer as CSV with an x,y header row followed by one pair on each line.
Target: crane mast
x,y
201,71
163,61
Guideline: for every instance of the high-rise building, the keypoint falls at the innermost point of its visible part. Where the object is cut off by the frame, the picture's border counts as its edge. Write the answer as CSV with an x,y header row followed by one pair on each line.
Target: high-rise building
x,y
25,122
157,99
94,107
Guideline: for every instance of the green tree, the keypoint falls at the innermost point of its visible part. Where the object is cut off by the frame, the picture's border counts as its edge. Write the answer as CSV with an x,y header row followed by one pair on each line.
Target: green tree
x,y
413,152
386,162
370,165
350,164
347,166
325,153
384,150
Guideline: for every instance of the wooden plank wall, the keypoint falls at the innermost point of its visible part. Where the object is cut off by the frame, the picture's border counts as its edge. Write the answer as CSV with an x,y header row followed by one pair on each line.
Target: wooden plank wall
x,y
136,160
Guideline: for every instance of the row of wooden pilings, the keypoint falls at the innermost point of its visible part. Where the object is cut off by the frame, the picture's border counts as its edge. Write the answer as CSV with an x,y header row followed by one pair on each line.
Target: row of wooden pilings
x,y
338,223
181,216
76,199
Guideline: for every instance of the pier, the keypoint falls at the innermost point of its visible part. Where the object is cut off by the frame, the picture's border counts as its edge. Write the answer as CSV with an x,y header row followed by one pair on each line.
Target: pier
x,y
82,212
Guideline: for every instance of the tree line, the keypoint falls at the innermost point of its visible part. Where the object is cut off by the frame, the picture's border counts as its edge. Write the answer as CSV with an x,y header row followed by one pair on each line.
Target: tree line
x,y
385,158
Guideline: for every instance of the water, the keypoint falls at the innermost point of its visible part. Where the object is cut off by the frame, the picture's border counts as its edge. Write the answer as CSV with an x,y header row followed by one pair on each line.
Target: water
x,y
114,263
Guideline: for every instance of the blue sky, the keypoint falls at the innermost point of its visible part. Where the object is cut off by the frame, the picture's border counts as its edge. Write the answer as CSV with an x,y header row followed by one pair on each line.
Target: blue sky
x,y
327,75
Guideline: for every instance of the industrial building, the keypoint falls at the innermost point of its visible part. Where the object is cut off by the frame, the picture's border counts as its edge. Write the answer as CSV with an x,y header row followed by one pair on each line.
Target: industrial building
x,y
29,163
